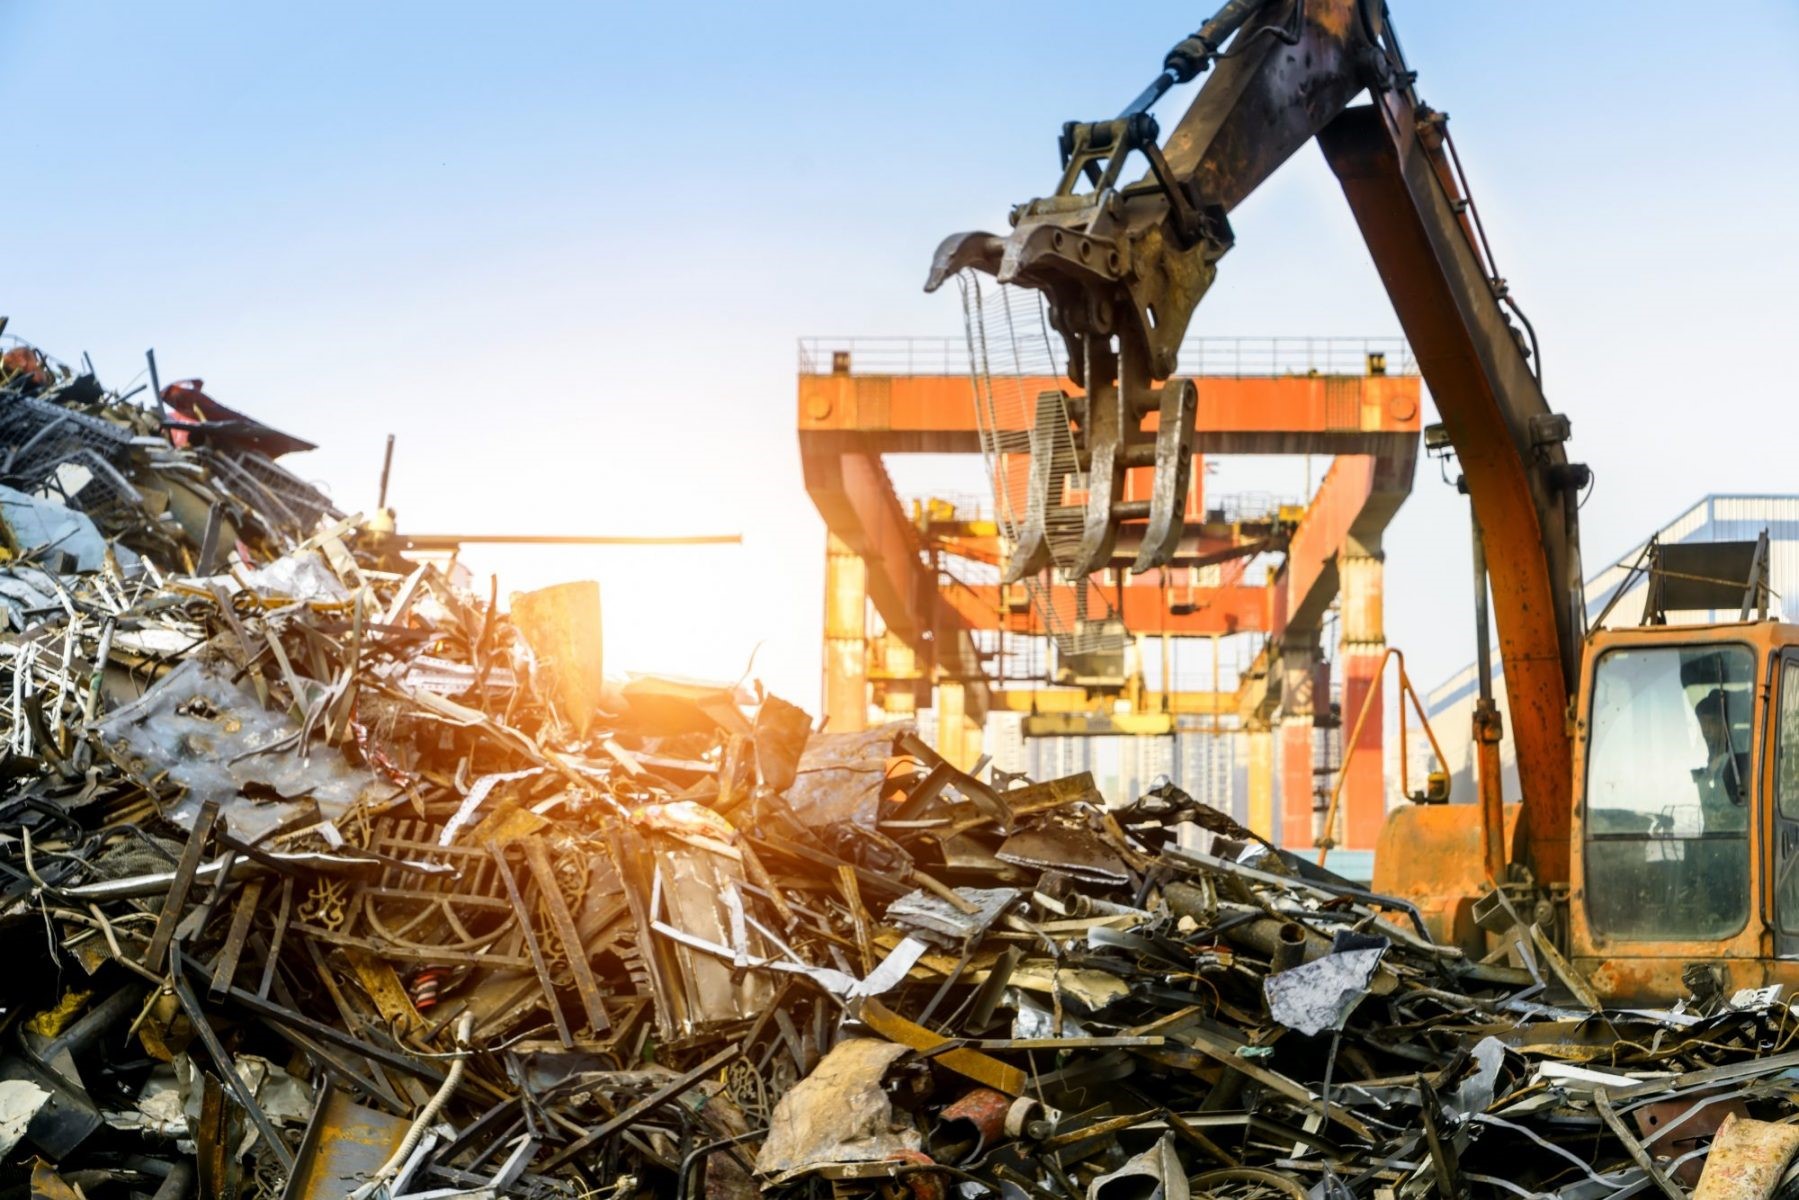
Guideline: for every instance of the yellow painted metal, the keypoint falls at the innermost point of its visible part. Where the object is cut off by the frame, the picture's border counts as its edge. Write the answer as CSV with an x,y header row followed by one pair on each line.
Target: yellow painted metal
x,y
893,662
1079,700
1261,780
383,986
343,1142
561,624
1099,724
846,636
952,724
1433,856
982,1068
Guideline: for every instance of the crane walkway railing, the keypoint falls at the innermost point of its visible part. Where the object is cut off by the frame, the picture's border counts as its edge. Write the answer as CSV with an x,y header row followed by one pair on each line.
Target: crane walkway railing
x,y
1225,356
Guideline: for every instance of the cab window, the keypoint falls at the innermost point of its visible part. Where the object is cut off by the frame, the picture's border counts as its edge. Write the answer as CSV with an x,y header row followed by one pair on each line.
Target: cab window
x,y
1786,759
1786,797
1668,792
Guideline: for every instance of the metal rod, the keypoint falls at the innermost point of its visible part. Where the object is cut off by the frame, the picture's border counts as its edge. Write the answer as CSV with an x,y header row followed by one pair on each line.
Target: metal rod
x,y
387,466
1369,699
1487,729
222,1060
156,384
449,541
1149,95
1483,651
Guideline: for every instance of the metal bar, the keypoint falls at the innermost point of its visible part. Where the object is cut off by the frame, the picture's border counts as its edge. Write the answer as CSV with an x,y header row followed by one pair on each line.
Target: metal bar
x,y
269,1010
174,905
654,1100
282,915
538,859
537,961
225,966
449,541
387,466
1486,728
162,411
1483,648
1603,1103
226,1067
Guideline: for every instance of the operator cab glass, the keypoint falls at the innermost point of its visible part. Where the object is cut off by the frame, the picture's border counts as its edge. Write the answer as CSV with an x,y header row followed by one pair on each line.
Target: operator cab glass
x,y
1668,795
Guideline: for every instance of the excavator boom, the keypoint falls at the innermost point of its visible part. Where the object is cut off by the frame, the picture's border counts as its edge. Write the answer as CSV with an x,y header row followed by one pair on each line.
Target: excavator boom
x,y
1124,265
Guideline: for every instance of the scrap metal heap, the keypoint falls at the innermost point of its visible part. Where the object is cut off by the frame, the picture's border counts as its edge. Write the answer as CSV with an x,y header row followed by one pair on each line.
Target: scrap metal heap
x,y
326,878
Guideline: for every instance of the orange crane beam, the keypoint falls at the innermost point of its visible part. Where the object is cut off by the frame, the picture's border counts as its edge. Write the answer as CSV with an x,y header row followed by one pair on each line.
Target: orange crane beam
x,y
1237,608
1279,414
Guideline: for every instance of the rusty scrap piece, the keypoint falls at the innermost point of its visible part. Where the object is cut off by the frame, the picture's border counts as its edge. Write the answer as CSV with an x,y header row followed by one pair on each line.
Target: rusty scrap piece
x,y
573,948
175,904
981,1068
1747,1160
344,1142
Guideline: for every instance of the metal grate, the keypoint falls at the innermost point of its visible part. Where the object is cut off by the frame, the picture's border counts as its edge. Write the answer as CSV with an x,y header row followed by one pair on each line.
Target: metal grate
x,y
45,437
276,491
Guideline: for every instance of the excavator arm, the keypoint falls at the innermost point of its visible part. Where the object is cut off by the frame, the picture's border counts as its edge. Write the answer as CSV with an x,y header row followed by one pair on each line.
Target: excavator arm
x,y
1124,265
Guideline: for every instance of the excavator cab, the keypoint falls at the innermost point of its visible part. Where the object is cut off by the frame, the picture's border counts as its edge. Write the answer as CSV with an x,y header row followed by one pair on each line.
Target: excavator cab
x,y
1686,821
1685,810
1685,837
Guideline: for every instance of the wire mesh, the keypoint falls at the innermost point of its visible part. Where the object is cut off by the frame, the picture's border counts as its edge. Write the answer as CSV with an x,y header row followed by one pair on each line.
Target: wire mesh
x,y
1024,431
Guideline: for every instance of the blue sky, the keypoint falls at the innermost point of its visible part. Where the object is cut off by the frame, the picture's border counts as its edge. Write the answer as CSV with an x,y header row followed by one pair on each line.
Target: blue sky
x,y
564,250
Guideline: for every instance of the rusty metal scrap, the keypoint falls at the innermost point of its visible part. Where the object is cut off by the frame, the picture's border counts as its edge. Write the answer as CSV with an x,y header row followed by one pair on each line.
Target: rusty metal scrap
x,y
323,876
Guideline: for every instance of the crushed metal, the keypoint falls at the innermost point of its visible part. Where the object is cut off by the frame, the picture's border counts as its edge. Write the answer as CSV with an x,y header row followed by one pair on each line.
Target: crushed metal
x,y
324,877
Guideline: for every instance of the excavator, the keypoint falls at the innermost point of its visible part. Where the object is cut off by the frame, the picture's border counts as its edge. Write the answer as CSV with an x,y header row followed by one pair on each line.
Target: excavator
x,y
1652,849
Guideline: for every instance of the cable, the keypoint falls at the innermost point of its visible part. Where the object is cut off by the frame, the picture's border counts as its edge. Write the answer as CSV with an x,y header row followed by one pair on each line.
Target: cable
x,y
452,1080
1288,34
685,1171
1502,290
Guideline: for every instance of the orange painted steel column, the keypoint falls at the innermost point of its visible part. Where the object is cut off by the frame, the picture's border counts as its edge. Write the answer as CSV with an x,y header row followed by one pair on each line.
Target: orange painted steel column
x,y
846,638
1360,652
1297,802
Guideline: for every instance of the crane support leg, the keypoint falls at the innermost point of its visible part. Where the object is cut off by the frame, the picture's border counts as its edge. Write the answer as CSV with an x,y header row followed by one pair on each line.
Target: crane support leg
x,y
1359,657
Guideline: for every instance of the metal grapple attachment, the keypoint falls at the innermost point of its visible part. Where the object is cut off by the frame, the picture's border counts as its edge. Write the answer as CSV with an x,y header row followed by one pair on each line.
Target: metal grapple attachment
x,y
1121,268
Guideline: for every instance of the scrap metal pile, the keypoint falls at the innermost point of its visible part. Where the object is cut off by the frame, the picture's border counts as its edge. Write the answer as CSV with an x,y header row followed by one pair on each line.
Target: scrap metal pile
x,y
324,877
